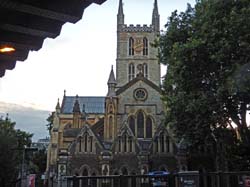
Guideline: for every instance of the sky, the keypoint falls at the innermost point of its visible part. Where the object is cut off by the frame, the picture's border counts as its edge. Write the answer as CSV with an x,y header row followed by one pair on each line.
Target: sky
x,y
80,58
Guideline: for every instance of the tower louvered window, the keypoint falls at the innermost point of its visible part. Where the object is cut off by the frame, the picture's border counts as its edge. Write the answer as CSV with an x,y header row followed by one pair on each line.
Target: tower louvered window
x,y
131,47
131,71
145,70
145,46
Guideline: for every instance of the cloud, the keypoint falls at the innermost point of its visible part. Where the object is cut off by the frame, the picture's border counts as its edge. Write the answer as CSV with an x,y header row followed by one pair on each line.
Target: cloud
x,y
27,119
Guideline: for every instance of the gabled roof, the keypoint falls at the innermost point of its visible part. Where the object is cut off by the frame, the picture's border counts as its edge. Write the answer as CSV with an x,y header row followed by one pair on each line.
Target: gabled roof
x,y
93,105
134,81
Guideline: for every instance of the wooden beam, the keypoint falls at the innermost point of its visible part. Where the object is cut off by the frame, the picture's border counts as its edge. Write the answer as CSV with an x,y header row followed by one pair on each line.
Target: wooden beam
x,y
29,24
28,31
17,55
97,1
7,64
34,42
14,5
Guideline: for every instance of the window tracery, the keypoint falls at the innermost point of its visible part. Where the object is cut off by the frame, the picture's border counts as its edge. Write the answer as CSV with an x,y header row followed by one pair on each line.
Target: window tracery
x,y
162,143
145,70
131,122
80,144
148,127
86,143
131,46
131,71
140,125
110,127
145,46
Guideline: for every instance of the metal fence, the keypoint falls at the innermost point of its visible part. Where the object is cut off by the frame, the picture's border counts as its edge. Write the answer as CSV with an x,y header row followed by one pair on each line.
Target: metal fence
x,y
181,179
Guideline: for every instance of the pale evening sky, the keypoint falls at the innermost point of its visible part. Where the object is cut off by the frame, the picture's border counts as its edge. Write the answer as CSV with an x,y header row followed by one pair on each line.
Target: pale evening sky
x,y
79,60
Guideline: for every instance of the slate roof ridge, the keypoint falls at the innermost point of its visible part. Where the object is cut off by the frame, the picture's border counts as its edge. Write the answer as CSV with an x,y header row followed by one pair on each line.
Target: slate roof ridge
x,y
85,96
92,104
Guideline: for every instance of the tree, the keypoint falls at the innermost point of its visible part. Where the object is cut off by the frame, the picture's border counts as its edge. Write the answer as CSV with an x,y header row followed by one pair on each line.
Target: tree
x,y
50,121
12,144
207,52
38,165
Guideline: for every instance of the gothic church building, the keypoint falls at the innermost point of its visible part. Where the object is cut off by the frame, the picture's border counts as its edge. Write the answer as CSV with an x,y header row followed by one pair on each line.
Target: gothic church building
x,y
124,131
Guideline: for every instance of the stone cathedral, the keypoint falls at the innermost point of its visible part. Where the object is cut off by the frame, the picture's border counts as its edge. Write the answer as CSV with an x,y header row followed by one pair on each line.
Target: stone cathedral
x,y
123,132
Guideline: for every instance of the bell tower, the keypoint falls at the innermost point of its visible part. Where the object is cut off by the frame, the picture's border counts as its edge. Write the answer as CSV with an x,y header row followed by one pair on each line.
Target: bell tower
x,y
134,50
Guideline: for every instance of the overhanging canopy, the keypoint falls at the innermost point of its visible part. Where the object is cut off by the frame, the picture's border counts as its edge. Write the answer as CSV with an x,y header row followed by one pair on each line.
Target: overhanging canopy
x,y
24,24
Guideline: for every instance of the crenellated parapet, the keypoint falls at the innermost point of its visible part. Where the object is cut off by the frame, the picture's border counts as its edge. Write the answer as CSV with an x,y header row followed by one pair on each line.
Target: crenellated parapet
x,y
136,28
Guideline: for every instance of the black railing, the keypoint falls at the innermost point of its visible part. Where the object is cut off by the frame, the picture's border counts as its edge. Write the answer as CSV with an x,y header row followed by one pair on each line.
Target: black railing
x,y
182,179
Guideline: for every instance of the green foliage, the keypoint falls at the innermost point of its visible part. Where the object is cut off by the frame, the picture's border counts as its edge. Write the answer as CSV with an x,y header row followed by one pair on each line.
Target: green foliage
x,y
39,161
50,121
207,52
37,165
12,144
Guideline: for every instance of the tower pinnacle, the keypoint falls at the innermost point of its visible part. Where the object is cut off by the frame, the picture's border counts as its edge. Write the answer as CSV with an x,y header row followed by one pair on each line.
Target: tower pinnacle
x,y
111,83
58,107
156,17
76,108
120,15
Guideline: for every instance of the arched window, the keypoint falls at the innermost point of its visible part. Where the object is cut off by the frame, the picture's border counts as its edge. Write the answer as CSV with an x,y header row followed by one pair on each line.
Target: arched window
x,y
131,71
145,70
131,122
110,108
80,144
119,145
86,143
85,173
156,146
91,144
167,144
110,127
145,46
130,145
125,143
140,125
124,172
131,46
162,142
149,127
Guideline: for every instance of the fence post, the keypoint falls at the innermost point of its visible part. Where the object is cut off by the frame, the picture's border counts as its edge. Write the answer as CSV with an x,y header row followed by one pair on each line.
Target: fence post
x,y
52,181
75,182
219,179
133,181
170,180
121,180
